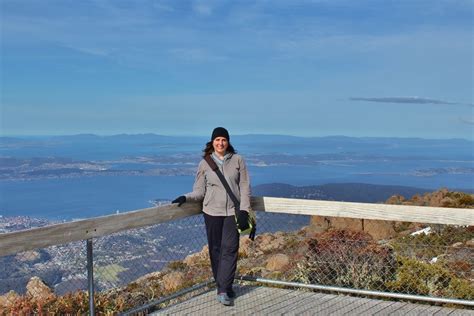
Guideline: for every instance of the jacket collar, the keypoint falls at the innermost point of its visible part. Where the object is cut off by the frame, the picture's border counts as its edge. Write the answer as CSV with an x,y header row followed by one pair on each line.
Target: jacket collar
x,y
219,161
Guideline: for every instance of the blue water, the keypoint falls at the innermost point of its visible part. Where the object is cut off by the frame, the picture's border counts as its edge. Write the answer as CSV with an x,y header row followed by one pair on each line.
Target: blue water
x,y
387,173
88,196
101,195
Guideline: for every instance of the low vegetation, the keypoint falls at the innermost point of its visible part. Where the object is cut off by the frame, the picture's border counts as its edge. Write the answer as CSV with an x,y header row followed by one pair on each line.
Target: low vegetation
x,y
437,263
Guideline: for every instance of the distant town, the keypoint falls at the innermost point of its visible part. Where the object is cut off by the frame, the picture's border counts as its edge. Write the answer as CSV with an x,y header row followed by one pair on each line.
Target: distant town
x,y
63,266
180,165
13,223
54,168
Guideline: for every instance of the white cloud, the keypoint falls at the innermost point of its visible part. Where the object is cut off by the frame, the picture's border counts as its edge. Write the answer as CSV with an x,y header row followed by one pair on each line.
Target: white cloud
x,y
468,121
256,31
202,9
196,55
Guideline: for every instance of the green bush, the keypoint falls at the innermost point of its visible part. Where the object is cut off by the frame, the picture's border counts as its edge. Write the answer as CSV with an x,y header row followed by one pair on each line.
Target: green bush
x,y
176,265
425,247
417,277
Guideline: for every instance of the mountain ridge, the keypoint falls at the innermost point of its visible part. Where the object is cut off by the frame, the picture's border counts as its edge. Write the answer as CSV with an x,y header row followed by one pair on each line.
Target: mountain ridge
x,y
347,192
243,136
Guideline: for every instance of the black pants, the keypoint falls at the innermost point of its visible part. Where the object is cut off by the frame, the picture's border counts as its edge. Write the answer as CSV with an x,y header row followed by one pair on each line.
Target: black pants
x,y
223,240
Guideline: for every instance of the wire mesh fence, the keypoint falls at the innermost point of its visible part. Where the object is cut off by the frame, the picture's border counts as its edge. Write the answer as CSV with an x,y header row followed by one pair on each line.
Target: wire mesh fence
x,y
130,268
31,278
412,258
137,267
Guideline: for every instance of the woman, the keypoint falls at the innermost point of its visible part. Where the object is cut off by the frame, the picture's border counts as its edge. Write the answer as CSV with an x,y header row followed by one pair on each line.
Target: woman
x,y
219,210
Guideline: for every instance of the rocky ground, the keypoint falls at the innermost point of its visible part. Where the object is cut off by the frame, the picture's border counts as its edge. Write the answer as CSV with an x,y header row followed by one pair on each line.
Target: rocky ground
x,y
386,257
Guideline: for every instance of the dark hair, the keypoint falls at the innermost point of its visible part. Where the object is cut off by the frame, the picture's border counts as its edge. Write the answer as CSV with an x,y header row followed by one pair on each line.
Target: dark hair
x,y
209,149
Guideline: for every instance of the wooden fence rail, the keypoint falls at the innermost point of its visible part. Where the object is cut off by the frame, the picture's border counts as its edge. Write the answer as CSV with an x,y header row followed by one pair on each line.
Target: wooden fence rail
x,y
11,243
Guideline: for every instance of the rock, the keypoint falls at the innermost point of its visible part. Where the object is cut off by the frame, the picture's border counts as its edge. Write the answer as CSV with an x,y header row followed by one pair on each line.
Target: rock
x,y
310,231
279,235
418,200
447,202
8,300
346,223
263,239
173,281
244,246
318,224
278,243
277,262
376,228
302,249
395,199
37,290
470,243
457,245
270,243
202,256
435,199
379,229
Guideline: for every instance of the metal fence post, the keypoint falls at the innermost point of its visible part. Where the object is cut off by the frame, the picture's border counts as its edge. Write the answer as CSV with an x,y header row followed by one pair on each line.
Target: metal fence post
x,y
90,277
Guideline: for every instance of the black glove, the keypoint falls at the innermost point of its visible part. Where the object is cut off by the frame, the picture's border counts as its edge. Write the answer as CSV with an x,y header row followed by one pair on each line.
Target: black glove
x,y
243,220
180,200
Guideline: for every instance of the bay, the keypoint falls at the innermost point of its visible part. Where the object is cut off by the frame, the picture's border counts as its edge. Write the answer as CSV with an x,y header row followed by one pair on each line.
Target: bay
x,y
421,163
86,197
74,198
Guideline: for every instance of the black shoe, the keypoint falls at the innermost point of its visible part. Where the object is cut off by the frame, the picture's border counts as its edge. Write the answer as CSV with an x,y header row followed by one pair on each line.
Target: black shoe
x,y
231,294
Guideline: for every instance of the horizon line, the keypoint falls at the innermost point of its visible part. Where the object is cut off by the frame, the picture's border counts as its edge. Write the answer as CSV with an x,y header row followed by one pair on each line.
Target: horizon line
x,y
233,135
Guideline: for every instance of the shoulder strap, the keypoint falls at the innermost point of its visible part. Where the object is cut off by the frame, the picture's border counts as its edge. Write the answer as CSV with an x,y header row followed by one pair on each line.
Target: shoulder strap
x,y
215,168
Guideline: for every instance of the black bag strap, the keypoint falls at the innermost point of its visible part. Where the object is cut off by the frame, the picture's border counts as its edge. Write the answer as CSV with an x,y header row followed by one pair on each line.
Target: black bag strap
x,y
231,194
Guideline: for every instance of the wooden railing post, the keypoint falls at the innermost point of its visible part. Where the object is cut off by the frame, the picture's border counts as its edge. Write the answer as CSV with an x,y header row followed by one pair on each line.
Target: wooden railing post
x,y
90,277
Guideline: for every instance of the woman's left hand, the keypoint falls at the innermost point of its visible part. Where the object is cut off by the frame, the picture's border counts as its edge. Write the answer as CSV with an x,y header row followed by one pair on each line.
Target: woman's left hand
x,y
243,220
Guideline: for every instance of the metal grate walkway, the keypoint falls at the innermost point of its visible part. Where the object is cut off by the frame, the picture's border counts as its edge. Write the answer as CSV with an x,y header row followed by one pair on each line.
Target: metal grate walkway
x,y
252,300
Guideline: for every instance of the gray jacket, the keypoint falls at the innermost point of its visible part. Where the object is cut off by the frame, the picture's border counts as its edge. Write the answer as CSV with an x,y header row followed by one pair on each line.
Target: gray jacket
x,y
209,189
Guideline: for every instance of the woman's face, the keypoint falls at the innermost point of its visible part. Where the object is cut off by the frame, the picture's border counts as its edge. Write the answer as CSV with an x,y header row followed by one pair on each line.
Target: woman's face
x,y
220,145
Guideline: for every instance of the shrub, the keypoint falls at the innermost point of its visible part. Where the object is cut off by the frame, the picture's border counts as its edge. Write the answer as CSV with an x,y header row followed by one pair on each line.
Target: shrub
x,y
417,277
461,199
177,265
348,259
426,247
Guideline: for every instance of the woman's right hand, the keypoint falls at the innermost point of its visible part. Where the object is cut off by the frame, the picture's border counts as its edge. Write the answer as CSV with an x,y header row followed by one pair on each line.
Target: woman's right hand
x,y
180,200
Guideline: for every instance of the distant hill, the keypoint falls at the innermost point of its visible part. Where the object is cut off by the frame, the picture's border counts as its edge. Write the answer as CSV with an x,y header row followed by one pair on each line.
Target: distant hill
x,y
439,198
350,192
459,149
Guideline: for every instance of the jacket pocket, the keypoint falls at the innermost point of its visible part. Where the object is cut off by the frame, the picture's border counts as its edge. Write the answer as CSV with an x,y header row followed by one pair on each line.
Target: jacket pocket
x,y
209,195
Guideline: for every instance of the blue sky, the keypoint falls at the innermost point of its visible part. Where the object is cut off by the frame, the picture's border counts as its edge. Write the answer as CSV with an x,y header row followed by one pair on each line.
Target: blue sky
x,y
310,68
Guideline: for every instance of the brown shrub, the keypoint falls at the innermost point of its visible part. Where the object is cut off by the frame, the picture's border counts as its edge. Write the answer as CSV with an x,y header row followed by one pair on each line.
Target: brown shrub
x,y
346,258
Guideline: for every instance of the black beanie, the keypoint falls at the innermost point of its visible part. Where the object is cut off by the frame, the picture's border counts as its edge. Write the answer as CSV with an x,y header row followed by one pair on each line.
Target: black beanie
x,y
220,132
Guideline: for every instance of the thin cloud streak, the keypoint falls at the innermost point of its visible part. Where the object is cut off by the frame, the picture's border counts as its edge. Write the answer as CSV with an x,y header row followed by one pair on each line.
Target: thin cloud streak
x,y
409,100
466,121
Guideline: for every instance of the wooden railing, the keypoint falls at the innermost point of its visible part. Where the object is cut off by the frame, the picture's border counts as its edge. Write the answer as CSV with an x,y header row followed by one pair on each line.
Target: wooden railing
x,y
11,243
